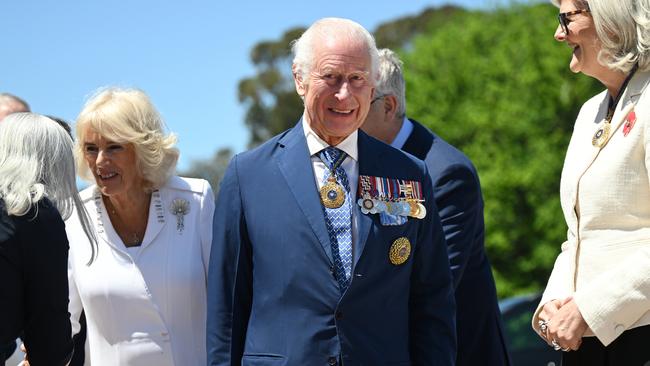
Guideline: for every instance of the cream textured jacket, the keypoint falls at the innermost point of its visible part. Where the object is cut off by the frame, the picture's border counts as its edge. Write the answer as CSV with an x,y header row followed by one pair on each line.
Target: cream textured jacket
x,y
605,196
145,306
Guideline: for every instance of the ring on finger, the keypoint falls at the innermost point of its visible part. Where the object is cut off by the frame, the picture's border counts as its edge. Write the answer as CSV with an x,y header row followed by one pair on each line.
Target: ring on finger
x,y
555,345
543,326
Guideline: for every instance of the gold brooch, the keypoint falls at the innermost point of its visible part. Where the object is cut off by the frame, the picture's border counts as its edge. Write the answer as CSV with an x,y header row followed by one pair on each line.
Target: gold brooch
x,y
400,251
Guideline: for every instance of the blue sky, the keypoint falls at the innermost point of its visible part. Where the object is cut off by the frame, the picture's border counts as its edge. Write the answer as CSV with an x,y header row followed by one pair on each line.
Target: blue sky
x,y
188,56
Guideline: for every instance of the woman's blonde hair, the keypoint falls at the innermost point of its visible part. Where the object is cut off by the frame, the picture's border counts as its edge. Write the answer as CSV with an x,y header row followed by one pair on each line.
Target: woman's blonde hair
x,y
127,116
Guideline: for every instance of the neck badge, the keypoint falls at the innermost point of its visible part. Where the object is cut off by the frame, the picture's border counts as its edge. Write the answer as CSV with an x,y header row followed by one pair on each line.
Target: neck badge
x,y
332,194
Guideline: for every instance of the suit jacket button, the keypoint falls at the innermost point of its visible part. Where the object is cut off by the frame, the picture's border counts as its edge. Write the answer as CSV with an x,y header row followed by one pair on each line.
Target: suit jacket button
x,y
331,361
339,315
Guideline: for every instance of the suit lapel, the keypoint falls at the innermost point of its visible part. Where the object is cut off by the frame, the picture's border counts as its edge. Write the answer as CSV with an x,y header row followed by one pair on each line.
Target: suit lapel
x,y
368,165
632,93
295,165
155,222
157,214
629,100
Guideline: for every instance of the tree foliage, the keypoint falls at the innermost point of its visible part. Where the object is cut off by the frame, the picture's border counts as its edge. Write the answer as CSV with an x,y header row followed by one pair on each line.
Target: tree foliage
x,y
497,85
211,169
269,96
493,83
272,104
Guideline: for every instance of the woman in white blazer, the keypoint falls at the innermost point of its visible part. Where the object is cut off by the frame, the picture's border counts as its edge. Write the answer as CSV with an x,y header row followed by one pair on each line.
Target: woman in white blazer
x,y
144,292
596,306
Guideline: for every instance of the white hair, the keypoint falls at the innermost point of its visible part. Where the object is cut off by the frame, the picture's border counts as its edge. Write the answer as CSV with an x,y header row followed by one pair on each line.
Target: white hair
x,y
331,28
36,161
391,79
623,28
128,116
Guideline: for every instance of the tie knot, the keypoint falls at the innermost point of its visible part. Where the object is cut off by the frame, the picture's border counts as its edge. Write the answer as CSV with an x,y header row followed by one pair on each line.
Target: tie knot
x,y
331,156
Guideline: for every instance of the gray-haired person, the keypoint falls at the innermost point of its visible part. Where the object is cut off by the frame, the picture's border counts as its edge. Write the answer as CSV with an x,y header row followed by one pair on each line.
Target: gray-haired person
x,y
457,193
37,191
10,103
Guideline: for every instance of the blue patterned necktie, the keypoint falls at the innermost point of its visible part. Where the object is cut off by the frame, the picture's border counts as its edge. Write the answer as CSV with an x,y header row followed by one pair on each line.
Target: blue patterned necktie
x,y
339,220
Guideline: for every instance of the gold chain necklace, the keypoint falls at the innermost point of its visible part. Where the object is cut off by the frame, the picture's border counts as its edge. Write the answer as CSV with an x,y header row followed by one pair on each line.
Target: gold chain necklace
x,y
130,238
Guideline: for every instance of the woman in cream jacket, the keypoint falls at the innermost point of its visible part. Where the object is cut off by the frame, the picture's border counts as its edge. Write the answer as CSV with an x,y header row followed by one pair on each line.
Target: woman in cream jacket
x,y
596,306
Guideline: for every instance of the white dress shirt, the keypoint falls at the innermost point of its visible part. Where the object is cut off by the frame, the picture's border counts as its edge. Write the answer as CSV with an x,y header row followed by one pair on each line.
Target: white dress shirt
x,y
403,134
147,305
351,166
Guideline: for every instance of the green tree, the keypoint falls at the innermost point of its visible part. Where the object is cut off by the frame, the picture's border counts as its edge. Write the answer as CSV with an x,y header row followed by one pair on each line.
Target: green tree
x,y
497,85
211,169
398,33
272,104
269,96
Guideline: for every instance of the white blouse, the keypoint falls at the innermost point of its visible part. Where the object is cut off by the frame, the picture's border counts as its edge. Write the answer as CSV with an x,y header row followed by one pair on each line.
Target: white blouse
x,y
145,307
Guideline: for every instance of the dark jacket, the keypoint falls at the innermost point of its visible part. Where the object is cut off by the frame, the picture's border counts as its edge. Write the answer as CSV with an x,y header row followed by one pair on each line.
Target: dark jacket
x,y
34,283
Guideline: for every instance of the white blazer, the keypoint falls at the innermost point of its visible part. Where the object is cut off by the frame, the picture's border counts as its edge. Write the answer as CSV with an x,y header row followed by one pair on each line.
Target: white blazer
x,y
147,307
605,196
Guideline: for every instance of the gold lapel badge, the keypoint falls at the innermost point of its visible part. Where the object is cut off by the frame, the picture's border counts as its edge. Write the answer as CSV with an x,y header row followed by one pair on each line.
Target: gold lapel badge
x,y
400,251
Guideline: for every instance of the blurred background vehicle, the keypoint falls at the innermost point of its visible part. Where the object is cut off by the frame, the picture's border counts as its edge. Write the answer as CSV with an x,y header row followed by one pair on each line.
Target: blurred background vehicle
x,y
525,346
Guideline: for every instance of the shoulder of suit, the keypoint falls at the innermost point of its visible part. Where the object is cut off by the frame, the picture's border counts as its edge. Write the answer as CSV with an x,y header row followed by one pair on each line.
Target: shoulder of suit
x,y
443,154
264,149
391,155
593,103
195,185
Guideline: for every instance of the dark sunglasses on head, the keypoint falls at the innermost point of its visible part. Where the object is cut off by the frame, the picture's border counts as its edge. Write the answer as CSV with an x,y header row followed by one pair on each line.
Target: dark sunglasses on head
x,y
564,18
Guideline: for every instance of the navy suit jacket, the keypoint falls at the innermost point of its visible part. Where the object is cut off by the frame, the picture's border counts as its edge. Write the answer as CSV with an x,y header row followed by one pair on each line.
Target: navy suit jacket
x,y
272,295
457,192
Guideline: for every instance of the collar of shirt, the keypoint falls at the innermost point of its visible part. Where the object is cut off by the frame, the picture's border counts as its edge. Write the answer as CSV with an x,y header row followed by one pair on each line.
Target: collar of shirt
x,y
316,144
403,134
350,164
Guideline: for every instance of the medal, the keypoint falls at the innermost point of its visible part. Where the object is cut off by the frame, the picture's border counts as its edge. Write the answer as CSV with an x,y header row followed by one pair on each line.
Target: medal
x,y
602,135
422,213
414,209
400,251
332,194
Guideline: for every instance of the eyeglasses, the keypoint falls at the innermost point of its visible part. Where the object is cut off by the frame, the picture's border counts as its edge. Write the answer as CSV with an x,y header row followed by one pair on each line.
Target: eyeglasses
x,y
564,18
377,98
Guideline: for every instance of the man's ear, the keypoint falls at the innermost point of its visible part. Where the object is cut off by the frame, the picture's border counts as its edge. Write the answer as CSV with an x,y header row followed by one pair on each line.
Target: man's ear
x,y
390,106
297,79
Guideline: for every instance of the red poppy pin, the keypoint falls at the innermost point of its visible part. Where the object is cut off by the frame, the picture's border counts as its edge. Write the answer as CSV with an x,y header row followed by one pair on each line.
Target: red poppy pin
x,y
629,122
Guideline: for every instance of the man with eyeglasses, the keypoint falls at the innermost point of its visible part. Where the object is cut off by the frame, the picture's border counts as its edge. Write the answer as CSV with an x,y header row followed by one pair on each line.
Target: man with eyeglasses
x,y
457,194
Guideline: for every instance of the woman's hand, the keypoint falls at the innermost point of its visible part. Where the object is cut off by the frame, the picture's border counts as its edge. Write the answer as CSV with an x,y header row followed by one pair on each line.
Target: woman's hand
x,y
25,361
566,326
548,310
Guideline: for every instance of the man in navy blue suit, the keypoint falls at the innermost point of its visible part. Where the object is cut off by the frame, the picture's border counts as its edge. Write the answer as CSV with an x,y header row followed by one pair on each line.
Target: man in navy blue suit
x,y
457,194
327,245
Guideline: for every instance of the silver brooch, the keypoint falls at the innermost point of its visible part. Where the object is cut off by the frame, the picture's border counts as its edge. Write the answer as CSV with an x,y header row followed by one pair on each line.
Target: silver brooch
x,y
180,208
